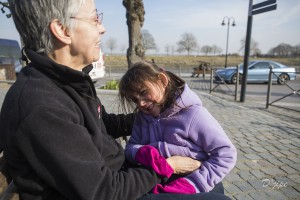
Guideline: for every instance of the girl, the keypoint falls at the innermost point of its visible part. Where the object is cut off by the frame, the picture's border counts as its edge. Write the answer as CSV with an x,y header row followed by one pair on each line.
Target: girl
x,y
171,121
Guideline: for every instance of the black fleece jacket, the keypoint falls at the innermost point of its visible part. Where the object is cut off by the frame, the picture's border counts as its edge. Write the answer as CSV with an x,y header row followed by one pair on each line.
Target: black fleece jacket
x,y
59,141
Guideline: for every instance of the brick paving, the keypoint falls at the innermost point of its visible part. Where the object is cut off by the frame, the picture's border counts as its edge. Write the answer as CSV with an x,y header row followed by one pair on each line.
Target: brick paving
x,y
268,146
268,165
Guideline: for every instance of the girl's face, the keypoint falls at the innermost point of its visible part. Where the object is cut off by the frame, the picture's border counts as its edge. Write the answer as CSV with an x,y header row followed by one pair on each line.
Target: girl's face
x,y
150,98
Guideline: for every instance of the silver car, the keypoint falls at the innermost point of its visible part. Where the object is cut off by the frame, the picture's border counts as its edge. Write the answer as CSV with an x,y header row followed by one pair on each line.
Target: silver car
x,y
258,71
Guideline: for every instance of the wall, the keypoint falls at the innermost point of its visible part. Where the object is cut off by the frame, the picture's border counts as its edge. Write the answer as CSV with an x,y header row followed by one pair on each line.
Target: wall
x,y
7,72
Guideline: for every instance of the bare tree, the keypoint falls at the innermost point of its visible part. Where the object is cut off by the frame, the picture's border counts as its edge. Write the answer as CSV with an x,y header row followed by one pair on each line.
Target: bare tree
x,y
135,18
167,49
206,49
172,49
156,50
123,48
5,5
254,50
282,50
216,49
148,41
198,50
111,43
187,43
296,51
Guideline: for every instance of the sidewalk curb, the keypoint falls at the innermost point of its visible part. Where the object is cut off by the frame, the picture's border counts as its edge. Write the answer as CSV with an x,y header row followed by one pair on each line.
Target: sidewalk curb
x,y
112,92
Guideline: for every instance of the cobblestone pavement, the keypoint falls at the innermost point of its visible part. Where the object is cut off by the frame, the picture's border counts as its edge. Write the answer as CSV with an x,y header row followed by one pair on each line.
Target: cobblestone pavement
x,y
268,143
268,152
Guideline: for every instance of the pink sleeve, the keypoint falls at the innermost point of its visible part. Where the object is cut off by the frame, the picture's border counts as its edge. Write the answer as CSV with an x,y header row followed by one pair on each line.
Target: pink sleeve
x,y
150,157
179,186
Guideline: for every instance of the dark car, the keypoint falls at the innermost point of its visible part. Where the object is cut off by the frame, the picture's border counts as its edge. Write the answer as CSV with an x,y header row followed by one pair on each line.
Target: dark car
x,y
258,72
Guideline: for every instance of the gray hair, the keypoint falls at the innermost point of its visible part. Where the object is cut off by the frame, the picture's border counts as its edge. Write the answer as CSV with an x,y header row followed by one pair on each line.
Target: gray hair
x,y
32,19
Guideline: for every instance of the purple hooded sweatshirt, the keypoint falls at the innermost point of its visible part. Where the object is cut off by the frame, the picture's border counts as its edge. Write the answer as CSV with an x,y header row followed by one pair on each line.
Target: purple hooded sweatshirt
x,y
187,129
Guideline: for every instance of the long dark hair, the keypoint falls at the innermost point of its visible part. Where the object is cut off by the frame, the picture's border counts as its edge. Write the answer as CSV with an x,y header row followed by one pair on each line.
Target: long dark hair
x,y
134,79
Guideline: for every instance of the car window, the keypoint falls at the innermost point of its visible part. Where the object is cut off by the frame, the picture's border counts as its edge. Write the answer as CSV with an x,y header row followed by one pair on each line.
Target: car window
x,y
249,64
261,65
275,66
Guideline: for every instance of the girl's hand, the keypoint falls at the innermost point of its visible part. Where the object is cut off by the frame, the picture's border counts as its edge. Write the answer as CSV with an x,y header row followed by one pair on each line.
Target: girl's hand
x,y
183,165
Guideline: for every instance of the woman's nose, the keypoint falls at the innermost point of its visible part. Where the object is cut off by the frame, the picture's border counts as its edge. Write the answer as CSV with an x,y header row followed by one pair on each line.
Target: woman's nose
x,y
101,28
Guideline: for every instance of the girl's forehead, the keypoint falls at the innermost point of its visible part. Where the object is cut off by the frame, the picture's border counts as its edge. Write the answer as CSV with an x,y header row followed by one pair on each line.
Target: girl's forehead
x,y
137,86
150,84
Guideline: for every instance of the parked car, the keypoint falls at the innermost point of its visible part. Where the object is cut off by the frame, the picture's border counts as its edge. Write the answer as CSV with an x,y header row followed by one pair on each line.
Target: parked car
x,y
98,70
258,71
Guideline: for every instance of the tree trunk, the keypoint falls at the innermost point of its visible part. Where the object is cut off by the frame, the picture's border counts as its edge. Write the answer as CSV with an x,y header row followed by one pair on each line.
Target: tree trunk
x,y
135,18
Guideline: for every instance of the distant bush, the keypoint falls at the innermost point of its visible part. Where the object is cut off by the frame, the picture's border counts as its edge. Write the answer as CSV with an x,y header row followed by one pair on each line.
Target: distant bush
x,y
111,85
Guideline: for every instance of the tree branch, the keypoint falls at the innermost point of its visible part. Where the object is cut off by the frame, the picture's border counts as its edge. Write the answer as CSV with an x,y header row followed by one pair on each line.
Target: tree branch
x,y
5,5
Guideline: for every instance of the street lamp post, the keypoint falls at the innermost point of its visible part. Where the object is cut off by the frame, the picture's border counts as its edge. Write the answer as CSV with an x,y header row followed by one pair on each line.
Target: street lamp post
x,y
223,24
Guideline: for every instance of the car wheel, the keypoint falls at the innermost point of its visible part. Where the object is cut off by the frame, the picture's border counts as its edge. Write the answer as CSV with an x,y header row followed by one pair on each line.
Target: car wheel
x,y
283,78
233,78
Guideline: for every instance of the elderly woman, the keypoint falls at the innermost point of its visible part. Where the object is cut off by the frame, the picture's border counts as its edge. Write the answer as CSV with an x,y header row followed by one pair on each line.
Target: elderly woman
x,y
59,142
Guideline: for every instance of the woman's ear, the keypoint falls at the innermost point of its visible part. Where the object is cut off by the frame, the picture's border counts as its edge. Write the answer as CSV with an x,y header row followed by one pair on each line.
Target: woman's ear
x,y
164,79
60,32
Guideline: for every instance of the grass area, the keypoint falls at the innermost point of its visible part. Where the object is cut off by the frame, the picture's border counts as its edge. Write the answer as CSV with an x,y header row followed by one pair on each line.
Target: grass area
x,y
189,62
118,63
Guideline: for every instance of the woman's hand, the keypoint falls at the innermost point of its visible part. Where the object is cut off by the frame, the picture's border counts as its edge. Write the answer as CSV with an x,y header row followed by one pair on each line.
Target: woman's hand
x,y
183,165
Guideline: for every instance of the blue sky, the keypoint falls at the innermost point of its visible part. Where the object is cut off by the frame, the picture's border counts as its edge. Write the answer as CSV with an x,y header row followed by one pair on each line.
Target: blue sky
x,y
167,20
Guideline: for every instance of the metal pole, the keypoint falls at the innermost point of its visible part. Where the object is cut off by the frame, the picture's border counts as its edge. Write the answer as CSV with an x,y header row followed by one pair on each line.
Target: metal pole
x,y
227,40
211,80
247,50
237,82
228,22
109,71
269,87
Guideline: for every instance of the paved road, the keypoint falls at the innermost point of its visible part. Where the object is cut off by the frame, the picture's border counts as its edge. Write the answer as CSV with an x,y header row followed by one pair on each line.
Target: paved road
x,y
260,90
268,143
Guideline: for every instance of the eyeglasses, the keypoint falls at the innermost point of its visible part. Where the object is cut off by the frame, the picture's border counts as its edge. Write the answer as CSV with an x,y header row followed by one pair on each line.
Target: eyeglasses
x,y
97,20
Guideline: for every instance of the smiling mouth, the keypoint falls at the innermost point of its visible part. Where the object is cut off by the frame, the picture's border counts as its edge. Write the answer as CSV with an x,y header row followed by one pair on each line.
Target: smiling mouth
x,y
150,109
147,108
98,44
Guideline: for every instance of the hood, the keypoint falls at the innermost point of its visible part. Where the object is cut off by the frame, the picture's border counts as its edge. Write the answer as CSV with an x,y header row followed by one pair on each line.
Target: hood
x,y
186,99
226,69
